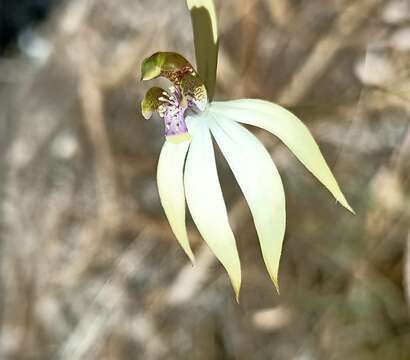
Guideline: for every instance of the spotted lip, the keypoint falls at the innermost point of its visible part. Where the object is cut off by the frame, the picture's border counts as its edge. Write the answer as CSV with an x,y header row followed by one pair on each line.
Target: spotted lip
x,y
174,118
187,94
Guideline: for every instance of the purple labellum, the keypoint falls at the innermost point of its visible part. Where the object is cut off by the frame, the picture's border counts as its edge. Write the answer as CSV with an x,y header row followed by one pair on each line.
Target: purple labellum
x,y
173,111
175,121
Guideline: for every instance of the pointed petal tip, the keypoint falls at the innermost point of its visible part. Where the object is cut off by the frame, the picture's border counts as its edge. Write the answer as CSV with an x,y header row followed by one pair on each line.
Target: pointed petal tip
x,y
237,290
276,283
236,279
342,201
235,276
275,280
191,256
348,207
187,250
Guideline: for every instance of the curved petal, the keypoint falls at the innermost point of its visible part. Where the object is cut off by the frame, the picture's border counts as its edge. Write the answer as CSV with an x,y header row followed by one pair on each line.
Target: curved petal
x,y
171,189
289,129
151,101
206,203
164,63
261,185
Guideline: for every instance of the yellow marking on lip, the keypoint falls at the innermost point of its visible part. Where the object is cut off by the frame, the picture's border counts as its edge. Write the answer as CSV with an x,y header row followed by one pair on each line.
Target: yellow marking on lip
x,y
176,139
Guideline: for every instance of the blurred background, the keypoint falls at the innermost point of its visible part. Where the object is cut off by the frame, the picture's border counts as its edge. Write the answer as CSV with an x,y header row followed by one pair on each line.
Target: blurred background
x,y
89,268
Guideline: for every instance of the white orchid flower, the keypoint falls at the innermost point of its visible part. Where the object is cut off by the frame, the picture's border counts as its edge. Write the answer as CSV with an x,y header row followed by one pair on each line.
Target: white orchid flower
x,y
187,169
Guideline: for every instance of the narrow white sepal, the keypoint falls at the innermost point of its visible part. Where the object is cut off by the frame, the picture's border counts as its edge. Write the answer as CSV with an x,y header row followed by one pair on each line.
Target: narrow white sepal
x,y
206,203
260,183
289,129
171,189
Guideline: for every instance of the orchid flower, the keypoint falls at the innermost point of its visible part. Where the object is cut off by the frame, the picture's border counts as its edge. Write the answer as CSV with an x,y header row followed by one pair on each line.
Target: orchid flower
x,y
187,169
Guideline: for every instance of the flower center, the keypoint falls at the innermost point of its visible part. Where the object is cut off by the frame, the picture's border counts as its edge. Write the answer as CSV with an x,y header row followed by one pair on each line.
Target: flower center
x,y
187,94
173,110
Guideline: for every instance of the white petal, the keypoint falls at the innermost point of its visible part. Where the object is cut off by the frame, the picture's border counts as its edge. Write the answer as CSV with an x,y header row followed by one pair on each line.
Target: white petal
x,y
288,128
261,185
171,189
206,203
